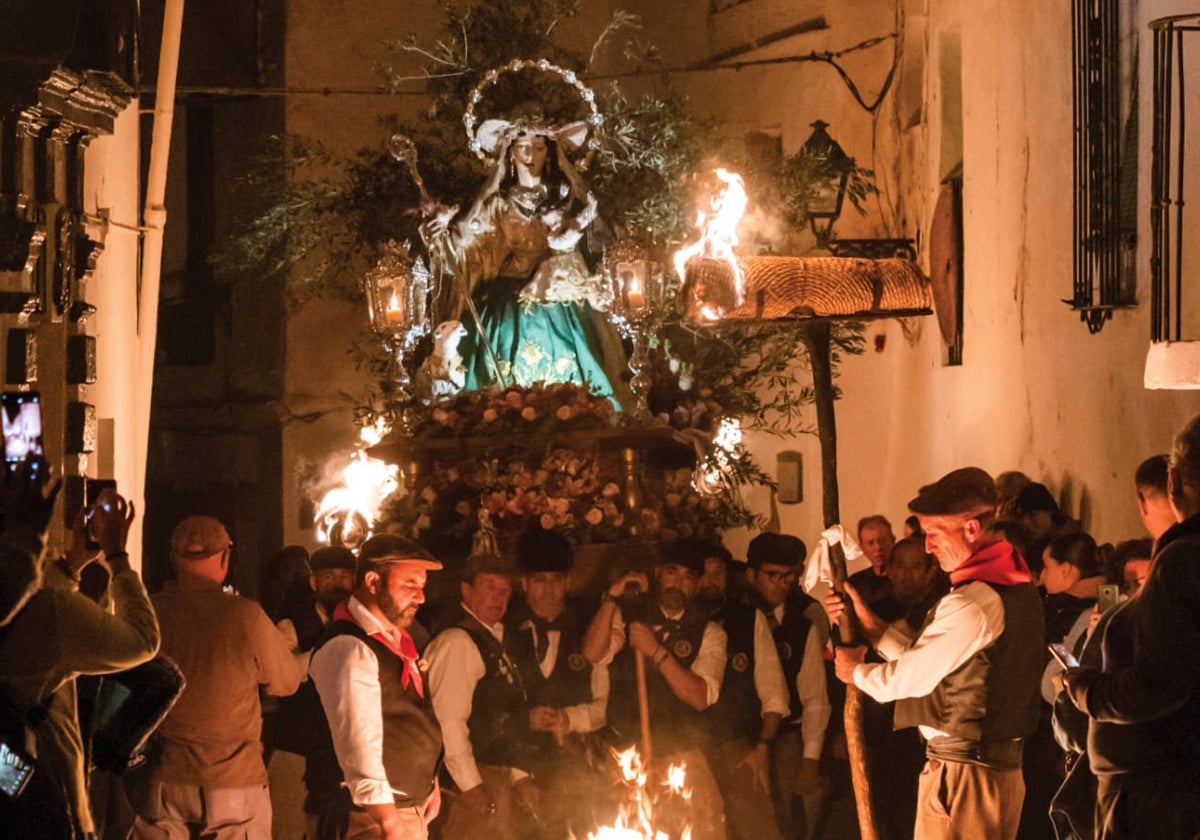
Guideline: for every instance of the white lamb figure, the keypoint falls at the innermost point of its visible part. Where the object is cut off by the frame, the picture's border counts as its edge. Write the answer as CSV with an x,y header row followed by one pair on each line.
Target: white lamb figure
x,y
445,368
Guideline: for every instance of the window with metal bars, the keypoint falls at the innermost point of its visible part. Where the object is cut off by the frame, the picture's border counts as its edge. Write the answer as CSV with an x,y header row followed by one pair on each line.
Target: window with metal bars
x,y
1174,173
1105,224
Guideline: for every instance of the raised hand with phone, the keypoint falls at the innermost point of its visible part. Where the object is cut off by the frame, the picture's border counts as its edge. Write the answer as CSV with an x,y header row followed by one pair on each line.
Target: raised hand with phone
x,y
108,527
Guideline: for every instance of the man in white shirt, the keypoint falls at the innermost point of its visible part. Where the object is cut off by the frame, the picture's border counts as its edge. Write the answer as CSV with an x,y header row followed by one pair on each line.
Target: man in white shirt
x,y
685,662
970,679
753,703
801,632
369,676
480,701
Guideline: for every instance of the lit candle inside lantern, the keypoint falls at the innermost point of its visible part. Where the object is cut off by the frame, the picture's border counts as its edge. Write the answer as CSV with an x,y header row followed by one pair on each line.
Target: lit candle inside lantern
x,y
395,312
637,298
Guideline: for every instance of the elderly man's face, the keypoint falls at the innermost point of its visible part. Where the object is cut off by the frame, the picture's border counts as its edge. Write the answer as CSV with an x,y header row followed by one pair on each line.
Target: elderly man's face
x,y
487,596
949,539
877,541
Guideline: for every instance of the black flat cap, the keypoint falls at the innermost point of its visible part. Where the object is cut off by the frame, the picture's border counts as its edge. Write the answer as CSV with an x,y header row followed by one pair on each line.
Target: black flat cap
x,y
965,490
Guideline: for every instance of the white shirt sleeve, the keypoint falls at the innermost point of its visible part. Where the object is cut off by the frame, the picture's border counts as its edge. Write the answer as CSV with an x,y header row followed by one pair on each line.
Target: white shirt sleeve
x,y
813,694
769,682
346,675
965,621
287,629
455,668
709,663
590,716
616,638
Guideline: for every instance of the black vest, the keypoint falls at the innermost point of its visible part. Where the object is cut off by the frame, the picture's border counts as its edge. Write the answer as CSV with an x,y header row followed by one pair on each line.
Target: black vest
x,y
297,723
791,639
995,696
738,711
499,722
676,725
569,683
412,739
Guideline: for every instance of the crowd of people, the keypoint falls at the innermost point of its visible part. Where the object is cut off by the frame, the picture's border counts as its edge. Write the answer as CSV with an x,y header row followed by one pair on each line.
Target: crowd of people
x,y
351,708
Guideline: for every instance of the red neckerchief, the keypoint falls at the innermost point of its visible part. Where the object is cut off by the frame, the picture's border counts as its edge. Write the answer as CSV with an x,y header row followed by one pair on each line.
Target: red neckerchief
x,y
407,650
999,563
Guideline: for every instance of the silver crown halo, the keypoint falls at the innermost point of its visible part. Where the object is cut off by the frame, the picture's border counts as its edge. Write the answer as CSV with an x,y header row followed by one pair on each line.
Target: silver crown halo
x,y
582,134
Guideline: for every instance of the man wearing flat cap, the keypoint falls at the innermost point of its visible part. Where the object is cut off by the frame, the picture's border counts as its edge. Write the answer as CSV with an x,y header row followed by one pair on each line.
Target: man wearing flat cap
x,y
372,686
685,656
567,694
801,632
206,772
295,733
970,679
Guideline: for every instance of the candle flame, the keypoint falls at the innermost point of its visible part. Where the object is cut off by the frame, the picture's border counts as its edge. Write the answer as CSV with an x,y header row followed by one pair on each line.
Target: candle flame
x,y
718,226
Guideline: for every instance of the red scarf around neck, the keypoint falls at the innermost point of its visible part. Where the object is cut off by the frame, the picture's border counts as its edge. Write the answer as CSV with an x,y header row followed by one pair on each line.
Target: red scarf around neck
x,y
406,651
999,563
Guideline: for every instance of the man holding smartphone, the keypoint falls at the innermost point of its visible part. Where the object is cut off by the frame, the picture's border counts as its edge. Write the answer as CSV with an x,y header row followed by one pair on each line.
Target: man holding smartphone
x,y
58,635
1144,738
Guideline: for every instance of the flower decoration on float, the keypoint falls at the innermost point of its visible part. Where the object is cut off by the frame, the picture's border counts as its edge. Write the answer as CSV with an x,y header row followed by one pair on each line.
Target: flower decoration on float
x,y
566,490
538,409
484,137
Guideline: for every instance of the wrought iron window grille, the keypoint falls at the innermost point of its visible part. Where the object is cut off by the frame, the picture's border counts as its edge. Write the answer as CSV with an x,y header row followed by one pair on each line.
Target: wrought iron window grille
x,y
1169,177
1105,222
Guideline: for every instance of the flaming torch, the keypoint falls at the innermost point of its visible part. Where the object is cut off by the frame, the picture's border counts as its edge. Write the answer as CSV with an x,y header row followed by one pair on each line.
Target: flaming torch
x,y
347,513
713,282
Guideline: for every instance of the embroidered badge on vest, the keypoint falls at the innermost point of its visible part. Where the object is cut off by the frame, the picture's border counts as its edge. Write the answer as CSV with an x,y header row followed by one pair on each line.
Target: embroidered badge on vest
x,y
576,662
507,669
682,648
740,662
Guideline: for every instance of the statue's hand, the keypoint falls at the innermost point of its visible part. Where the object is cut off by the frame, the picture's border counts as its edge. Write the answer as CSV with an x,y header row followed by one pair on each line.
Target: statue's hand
x,y
437,219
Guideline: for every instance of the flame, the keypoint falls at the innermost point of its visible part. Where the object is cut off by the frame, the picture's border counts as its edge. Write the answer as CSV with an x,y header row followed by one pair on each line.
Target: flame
x,y
636,818
719,235
676,776
712,476
347,513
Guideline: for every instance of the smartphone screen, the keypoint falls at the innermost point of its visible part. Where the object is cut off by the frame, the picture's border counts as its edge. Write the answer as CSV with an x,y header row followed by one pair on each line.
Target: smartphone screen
x,y
21,419
1065,658
96,486
15,770
1108,597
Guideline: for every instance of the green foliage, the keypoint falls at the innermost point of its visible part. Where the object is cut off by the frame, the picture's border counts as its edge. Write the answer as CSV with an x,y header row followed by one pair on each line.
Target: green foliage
x,y
756,372
799,173
642,173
